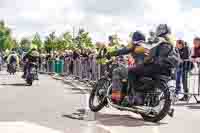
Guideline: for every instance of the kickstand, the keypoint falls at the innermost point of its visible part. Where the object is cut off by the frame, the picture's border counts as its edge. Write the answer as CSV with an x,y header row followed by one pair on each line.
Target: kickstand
x,y
196,99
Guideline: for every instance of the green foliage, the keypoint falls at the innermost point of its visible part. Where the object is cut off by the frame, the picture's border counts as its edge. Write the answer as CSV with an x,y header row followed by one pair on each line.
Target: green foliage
x,y
67,41
83,40
6,41
15,43
50,42
37,41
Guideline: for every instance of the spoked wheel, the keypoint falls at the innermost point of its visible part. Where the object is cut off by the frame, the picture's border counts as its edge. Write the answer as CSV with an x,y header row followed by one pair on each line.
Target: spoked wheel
x,y
97,99
159,111
29,82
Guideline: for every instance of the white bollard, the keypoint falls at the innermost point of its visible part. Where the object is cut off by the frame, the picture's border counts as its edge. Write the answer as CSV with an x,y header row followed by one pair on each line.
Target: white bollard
x,y
89,115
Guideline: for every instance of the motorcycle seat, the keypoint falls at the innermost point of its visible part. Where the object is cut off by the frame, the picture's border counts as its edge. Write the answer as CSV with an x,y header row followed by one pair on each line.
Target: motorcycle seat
x,y
145,79
162,77
165,78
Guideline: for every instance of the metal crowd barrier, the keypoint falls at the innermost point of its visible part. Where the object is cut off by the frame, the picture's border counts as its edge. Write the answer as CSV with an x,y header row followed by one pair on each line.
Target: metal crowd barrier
x,y
191,73
194,81
87,70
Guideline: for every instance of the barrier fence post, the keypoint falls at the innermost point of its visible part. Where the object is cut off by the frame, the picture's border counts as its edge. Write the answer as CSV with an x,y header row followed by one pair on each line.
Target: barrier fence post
x,y
99,71
198,65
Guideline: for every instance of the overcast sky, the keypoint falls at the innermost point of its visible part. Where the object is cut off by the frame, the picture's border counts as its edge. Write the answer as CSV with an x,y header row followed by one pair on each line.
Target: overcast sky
x,y
101,17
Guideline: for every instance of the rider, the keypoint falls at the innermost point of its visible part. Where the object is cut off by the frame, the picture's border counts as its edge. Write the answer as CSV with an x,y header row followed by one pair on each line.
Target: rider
x,y
161,56
12,58
31,57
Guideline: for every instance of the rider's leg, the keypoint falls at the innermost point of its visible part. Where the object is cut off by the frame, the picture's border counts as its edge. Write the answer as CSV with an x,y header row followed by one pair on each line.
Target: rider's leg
x,y
119,79
26,66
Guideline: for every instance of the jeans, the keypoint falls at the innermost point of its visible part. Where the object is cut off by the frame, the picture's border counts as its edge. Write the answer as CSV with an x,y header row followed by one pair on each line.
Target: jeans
x,y
181,76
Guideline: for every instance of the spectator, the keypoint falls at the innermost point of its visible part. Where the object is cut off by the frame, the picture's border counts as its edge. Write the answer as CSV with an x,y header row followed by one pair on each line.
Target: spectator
x,y
196,49
182,70
196,57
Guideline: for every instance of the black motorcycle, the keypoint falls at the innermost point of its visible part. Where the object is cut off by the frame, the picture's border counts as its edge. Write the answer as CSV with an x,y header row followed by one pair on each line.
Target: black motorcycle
x,y
12,68
31,74
152,99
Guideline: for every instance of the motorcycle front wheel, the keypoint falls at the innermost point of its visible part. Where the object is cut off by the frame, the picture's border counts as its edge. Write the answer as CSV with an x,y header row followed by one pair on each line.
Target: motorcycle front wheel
x,y
99,91
162,113
29,81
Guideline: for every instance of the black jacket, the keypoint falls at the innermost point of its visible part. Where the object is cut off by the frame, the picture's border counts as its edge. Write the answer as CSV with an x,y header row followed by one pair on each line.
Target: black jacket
x,y
184,53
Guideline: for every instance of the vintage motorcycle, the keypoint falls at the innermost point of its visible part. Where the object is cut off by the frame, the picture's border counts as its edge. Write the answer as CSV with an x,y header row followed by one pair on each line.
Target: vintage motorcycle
x,y
152,95
12,68
31,74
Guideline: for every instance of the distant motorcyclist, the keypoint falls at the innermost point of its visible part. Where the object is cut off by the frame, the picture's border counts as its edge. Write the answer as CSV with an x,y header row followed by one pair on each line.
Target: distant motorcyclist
x,y
160,57
31,57
12,58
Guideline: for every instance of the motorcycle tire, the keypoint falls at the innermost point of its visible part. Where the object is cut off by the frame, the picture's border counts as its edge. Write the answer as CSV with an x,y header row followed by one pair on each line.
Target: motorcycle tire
x,y
29,82
103,102
163,113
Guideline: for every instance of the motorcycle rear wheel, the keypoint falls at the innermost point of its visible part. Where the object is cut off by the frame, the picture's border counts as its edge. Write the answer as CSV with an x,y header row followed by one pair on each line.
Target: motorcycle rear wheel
x,y
164,111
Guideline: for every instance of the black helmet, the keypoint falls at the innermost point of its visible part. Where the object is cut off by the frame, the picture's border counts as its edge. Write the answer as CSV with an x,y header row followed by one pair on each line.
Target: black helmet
x,y
162,30
138,37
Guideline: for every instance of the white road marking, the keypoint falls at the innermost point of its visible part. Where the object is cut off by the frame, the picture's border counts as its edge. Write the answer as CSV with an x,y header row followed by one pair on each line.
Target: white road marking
x,y
24,127
155,129
105,128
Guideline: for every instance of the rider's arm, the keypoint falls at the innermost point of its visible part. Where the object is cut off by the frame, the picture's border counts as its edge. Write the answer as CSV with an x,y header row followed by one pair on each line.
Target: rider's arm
x,y
127,50
122,51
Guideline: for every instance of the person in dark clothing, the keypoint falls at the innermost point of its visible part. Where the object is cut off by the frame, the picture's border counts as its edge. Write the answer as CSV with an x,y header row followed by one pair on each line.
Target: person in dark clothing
x,y
196,57
76,55
31,57
196,49
183,68
160,57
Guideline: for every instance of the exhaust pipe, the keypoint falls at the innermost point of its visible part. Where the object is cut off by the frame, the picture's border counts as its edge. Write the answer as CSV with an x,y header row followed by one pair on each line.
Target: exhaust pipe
x,y
134,109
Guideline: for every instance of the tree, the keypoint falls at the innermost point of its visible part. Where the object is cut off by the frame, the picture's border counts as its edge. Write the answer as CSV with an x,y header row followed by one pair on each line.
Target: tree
x,y
83,40
68,41
15,43
64,42
5,37
50,42
25,44
37,41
